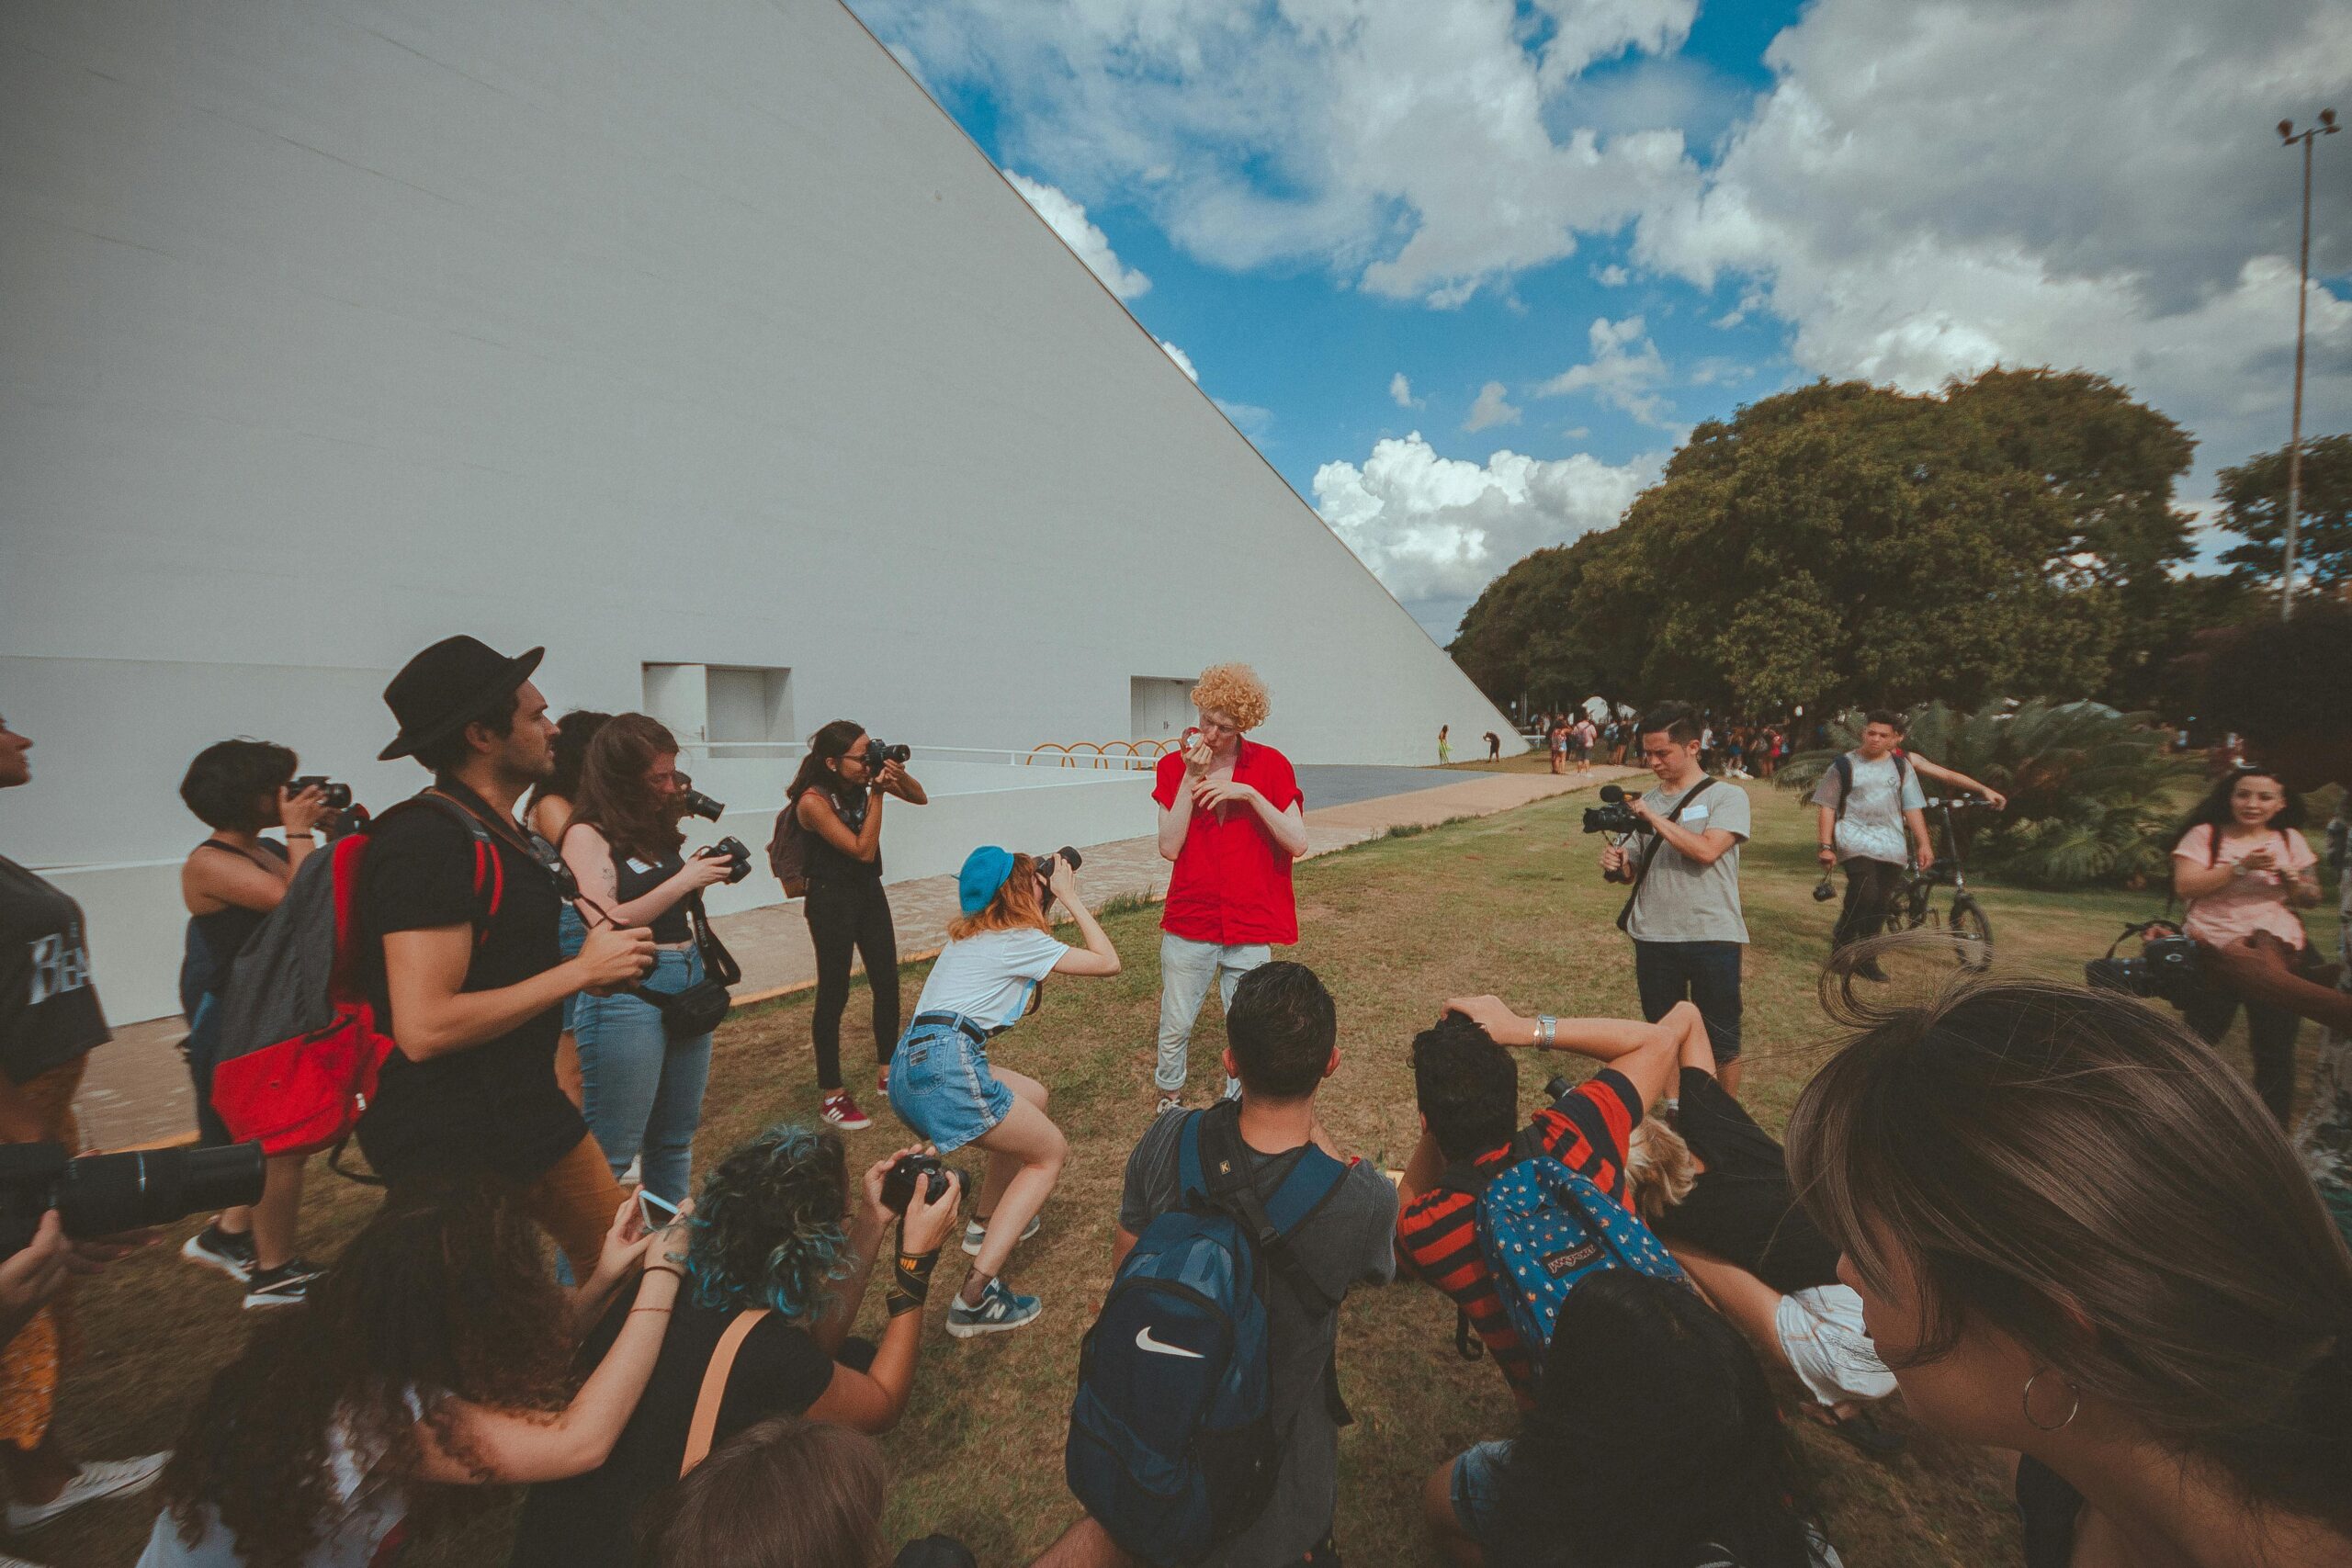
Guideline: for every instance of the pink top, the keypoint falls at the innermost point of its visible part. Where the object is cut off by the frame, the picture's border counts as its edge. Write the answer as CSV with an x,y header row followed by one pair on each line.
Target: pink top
x,y
2255,902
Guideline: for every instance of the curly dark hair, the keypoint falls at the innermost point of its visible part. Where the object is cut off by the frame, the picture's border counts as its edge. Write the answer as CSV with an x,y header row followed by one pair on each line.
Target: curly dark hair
x,y
233,784
446,1293
769,1227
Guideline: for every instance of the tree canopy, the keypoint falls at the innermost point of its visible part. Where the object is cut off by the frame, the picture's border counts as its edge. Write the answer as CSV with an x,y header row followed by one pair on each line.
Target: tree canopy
x,y
1849,543
2253,507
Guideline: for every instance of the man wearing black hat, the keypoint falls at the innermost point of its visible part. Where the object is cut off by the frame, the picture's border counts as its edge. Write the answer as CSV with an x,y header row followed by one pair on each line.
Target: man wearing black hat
x,y
473,993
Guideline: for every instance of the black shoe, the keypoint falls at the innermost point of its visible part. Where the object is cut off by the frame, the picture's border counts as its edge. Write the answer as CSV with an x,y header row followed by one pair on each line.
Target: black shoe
x,y
217,1249
286,1285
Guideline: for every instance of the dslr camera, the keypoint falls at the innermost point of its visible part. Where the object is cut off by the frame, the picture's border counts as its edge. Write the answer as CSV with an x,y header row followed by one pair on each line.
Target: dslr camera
x,y
698,804
898,1181
1612,815
101,1195
876,754
2166,968
336,795
732,851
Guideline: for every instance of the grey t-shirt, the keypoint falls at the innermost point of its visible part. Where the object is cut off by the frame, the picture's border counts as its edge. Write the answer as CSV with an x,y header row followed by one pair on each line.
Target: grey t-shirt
x,y
1680,900
1348,1241
1870,828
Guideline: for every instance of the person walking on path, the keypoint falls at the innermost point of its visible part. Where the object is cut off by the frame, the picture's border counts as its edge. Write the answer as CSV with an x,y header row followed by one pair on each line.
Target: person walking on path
x,y
1231,820
1444,747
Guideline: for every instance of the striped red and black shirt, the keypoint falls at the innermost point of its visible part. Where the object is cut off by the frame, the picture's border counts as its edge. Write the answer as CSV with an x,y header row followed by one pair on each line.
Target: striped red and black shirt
x,y
1585,1131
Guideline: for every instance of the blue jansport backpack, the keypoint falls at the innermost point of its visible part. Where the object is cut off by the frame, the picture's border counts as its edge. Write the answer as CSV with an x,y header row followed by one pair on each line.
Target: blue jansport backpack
x,y
1171,1447
1543,1228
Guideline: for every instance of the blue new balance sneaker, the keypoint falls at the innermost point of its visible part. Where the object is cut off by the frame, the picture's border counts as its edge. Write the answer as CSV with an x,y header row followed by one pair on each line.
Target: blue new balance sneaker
x,y
999,1310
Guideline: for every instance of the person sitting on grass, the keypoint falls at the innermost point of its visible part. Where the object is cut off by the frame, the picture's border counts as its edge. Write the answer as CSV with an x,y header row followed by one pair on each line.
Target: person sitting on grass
x,y
1714,1186
941,1084
771,1247
1468,1090
787,1493
1654,1435
434,1354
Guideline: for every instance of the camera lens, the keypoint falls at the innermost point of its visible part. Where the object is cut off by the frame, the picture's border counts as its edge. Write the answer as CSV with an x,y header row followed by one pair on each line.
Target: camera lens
x,y
100,1194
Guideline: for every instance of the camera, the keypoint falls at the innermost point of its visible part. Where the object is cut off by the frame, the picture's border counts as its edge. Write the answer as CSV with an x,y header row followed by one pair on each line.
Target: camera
x,y
2166,966
732,851
336,795
99,1195
898,1181
1823,890
1612,816
695,803
1065,855
876,754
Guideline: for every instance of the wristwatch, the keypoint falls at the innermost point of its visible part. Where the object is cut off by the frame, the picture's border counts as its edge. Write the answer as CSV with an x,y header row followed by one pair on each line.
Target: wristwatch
x,y
1547,1031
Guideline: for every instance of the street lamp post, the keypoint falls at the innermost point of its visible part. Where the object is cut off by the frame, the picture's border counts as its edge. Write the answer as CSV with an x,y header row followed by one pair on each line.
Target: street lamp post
x,y
2288,135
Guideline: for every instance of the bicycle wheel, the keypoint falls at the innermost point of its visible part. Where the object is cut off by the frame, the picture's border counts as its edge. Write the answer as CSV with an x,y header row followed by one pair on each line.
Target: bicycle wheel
x,y
1971,934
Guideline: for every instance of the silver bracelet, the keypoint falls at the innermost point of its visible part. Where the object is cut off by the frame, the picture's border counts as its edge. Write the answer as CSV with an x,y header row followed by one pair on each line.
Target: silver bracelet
x,y
1547,1031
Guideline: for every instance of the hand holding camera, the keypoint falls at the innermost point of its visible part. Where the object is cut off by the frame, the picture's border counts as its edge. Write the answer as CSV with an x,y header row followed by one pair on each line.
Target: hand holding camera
x,y
727,860
1058,872
927,1197
879,758
1613,816
615,957
304,802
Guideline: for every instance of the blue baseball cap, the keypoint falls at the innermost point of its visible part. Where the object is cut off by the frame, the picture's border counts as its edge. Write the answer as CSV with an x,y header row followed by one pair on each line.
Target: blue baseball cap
x,y
985,871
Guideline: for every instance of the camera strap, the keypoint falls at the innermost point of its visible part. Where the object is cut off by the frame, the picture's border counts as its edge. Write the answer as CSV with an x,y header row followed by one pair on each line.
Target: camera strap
x,y
1643,870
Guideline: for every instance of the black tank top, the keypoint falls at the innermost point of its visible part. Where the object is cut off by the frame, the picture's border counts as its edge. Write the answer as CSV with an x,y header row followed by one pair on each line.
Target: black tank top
x,y
825,864
638,876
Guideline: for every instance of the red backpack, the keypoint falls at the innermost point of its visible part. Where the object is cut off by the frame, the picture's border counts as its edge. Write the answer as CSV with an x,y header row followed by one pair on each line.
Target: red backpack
x,y
301,1048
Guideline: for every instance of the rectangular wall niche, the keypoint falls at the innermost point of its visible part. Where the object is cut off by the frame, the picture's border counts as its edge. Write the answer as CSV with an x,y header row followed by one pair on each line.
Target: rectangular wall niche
x,y
721,703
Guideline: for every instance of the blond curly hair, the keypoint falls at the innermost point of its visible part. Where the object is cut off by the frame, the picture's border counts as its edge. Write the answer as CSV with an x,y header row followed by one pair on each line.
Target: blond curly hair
x,y
1233,690
1659,1172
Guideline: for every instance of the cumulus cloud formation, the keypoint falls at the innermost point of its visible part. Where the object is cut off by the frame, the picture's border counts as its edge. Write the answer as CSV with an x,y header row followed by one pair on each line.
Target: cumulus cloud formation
x,y
1400,391
1437,529
1068,219
1183,361
1491,409
1617,374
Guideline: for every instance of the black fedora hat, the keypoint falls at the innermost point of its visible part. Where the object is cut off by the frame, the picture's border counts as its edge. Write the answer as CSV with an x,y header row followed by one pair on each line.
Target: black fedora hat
x,y
447,686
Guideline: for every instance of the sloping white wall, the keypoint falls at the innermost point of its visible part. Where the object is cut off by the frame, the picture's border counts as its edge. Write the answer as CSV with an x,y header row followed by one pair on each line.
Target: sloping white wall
x,y
657,331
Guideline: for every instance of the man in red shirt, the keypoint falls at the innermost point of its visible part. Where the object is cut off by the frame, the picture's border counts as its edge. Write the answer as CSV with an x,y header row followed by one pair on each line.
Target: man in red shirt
x,y
1231,820
1468,1088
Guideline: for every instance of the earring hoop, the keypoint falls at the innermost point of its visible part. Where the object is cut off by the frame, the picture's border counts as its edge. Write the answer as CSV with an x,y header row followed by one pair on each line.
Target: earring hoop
x,y
2026,1401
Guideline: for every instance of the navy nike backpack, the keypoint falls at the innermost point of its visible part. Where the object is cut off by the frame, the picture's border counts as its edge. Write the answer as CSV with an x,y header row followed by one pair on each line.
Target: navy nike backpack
x,y
1171,1447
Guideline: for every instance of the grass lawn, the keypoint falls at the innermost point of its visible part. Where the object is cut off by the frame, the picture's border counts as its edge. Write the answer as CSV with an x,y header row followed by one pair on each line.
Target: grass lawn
x,y
1509,904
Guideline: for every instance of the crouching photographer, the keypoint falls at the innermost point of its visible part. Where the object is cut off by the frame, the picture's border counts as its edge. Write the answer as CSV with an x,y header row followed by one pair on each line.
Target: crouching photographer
x,y
1680,855
645,1052
778,1252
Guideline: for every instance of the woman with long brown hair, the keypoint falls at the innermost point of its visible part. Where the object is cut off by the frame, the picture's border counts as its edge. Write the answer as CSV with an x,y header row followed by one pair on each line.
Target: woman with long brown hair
x,y
942,1085
641,1089
435,1353
2079,1236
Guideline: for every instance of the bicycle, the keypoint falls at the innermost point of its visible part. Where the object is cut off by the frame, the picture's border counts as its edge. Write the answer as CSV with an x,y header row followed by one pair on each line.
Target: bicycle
x,y
1913,905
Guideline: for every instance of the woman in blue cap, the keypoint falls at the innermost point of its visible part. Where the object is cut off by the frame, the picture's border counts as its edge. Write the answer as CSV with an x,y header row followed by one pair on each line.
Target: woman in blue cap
x,y
941,1082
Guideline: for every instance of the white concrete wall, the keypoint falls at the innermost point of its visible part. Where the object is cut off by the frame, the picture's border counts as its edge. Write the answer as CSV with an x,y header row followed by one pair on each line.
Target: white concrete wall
x,y
684,332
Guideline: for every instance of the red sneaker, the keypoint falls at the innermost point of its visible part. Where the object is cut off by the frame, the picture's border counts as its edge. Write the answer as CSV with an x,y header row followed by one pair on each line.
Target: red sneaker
x,y
839,1110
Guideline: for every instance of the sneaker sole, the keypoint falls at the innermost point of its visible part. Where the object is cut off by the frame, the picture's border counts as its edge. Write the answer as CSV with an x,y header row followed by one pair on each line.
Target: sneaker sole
x,y
846,1125
214,1261
974,1331
972,1247
24,1521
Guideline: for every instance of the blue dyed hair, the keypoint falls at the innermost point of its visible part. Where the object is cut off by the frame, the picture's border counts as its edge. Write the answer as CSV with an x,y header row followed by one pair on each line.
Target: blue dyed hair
x,y
769,1229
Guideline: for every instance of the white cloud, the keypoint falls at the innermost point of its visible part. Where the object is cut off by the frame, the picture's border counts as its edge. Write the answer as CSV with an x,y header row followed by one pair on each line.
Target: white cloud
x,y
1491,409
1614,276
1617,374
1253,421
1400,391
1434,527
1183,360
1068,219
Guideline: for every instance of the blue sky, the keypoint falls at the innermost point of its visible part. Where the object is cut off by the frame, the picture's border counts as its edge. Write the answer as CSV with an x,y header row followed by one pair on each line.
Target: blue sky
x,y
1577,226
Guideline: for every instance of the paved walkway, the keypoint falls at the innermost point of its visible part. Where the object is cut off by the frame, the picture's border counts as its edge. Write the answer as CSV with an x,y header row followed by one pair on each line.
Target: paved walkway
x,y
137,1089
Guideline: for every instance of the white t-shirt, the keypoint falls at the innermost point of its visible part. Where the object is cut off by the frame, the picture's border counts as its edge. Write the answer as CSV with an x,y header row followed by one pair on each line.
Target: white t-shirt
x,y
989,977
1872,827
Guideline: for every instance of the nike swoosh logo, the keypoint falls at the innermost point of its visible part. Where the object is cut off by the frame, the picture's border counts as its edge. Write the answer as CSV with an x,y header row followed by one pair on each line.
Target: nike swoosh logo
x,y
1144,1341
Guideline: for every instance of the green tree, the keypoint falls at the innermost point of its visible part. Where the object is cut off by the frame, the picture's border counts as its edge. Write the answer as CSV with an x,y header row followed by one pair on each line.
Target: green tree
x,y
2253,507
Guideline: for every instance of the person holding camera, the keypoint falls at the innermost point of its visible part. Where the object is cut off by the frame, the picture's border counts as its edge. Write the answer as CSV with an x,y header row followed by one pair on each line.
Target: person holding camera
x,y
548,812
471,983
1231,820
641,1081
998,951
435,1353
230,883
777,1263
1682,864
2242,867
835,801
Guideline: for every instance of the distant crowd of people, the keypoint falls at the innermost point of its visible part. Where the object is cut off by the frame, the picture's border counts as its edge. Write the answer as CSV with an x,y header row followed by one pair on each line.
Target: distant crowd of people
x,y
2051,1218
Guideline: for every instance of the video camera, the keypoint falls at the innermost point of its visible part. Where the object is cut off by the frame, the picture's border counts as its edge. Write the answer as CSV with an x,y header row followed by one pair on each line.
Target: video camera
x,y
876,754
1612,816
101,1195
2166,968
698,804
898,1181
732,851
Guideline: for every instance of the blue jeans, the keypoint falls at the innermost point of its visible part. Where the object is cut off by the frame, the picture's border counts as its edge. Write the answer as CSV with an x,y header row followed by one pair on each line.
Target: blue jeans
x,y
1186,967
1705,973
643,1090
941,1084
571,932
